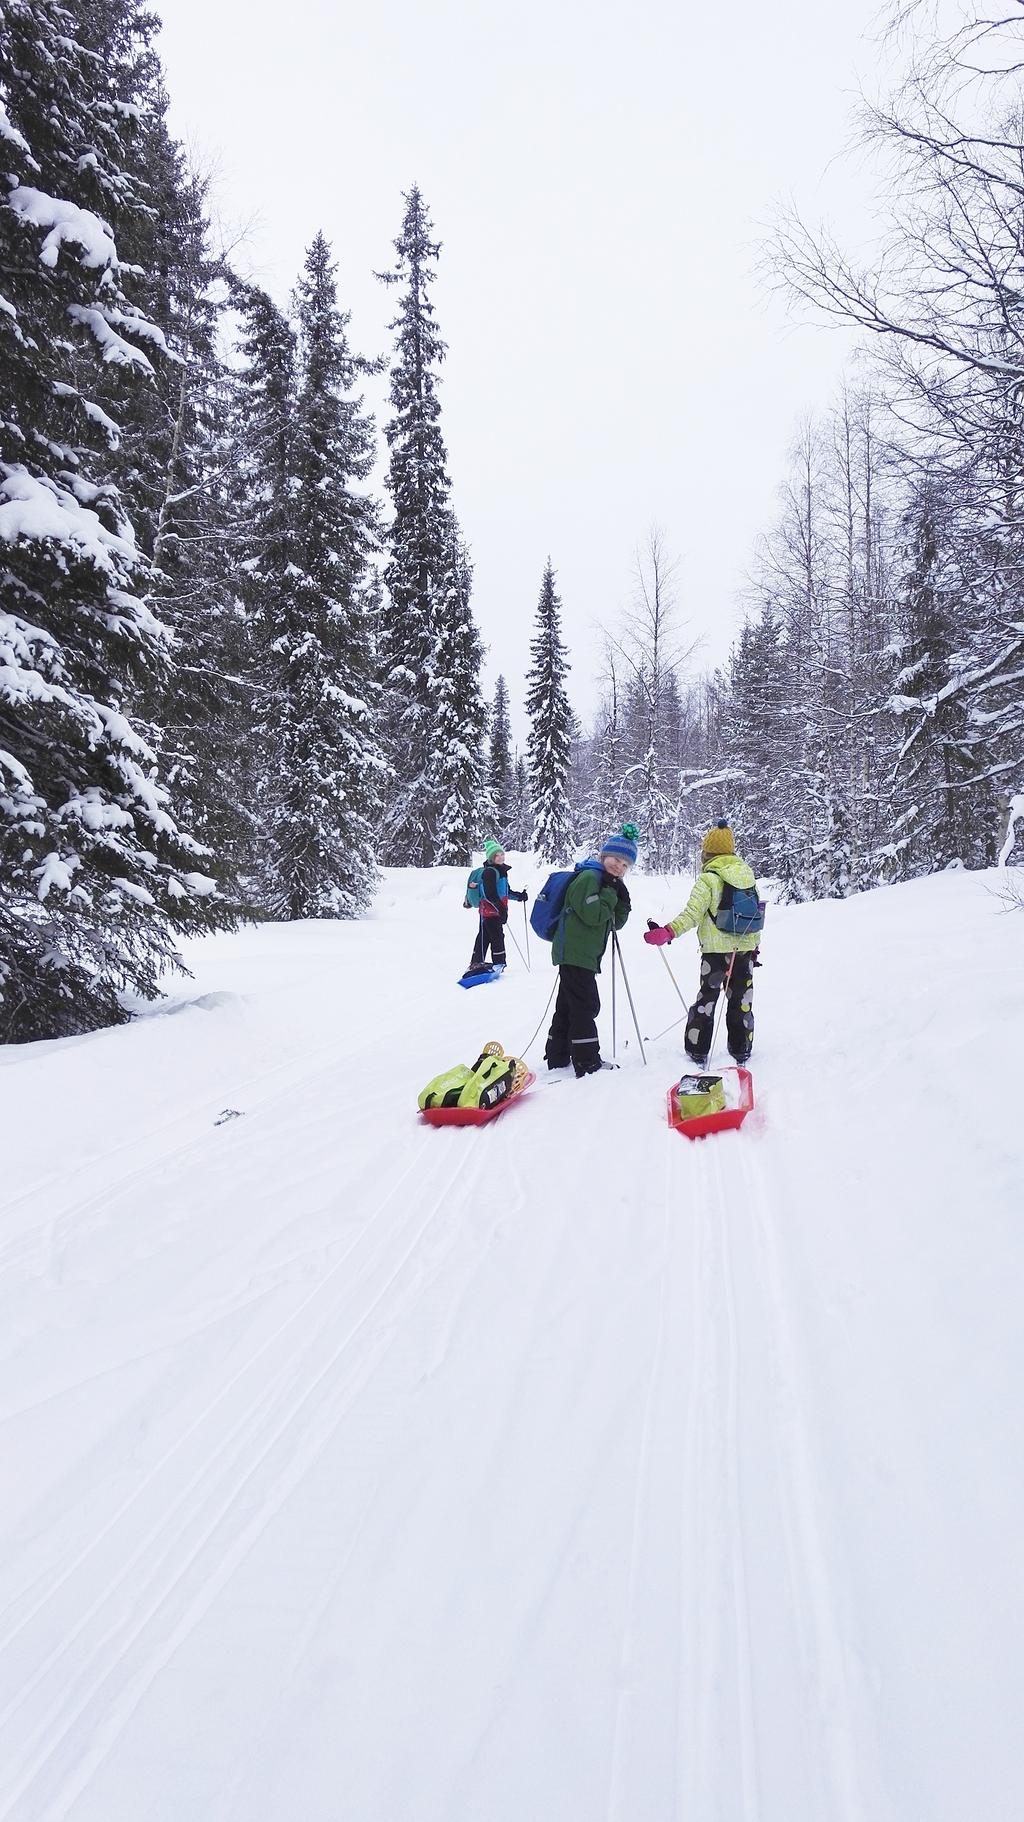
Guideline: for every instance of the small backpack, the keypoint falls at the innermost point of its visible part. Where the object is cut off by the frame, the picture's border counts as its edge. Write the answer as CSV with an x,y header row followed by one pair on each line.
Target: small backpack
x,y
740,911
549,904
474,887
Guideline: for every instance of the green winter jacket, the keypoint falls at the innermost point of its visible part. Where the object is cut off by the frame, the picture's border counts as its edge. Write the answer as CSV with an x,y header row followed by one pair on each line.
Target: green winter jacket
x,y
704,900
590,912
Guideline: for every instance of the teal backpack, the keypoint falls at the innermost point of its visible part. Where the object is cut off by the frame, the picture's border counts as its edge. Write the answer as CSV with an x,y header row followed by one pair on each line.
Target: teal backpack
x,y
474,886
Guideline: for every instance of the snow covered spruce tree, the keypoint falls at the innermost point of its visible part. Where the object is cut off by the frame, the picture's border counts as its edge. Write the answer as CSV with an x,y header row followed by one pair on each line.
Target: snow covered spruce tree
x,y
602,810
177,458
651,652
323,793
935,819
549,744
261,431
758,741
456,781
501,778
521,825
95,876
427,653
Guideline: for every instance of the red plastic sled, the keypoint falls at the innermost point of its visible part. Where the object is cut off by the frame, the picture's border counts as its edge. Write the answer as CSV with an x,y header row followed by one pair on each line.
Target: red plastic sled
x,y
701,1124
471,1116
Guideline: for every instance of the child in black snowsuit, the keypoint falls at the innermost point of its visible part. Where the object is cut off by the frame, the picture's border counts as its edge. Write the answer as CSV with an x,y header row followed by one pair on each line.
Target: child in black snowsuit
x,y
495,893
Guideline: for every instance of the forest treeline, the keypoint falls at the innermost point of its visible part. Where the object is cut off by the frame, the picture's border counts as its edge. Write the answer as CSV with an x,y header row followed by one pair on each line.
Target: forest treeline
x,y
233,674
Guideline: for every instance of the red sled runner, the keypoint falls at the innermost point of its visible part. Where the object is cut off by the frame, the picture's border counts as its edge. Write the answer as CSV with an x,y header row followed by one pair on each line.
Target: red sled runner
x,y
699,1126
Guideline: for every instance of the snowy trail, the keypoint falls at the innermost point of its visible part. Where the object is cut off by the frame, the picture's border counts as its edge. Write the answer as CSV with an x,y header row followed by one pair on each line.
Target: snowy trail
x,y
559,1470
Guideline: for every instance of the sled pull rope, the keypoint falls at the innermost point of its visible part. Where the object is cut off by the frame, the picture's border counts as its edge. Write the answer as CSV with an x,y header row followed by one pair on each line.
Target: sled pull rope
x,y
617,952
543,1016
717,1021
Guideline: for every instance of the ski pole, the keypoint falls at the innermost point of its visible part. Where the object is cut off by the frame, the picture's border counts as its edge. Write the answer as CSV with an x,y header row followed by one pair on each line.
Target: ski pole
x,y
519,952
651,925
625,981
668,1028
718,1015
615,950
526,931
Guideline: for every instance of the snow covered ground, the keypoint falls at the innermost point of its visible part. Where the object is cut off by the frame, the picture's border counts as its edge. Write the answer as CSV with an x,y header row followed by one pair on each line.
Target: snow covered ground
x,y
562,1471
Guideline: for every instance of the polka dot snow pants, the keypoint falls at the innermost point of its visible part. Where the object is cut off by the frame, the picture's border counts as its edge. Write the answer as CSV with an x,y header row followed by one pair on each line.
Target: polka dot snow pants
x,y
739,1010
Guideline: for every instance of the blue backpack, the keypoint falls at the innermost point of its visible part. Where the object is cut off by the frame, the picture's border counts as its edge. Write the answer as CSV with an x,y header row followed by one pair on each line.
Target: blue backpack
x,y
740,911
549,904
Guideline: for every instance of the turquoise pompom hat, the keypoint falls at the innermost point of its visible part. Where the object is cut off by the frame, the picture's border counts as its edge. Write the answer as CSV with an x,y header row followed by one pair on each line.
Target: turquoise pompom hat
x,y
624,843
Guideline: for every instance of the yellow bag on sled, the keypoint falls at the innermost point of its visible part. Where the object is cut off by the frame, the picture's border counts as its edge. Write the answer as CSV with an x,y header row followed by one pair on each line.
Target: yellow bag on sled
x,y
700,1094
492,1079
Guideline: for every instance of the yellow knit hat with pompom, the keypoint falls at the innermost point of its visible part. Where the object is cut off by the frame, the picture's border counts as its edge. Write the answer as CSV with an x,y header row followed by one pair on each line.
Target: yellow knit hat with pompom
x,y
717,841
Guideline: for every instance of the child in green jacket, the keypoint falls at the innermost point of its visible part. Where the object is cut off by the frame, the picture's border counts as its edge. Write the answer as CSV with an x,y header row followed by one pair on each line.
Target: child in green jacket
x,y
721,866
596,902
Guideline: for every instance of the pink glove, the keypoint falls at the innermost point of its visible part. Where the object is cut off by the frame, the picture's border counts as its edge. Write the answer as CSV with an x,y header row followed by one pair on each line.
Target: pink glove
x,y
660,934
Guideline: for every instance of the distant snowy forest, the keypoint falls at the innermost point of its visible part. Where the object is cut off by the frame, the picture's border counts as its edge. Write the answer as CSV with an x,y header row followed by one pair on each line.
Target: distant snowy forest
x,y
231,677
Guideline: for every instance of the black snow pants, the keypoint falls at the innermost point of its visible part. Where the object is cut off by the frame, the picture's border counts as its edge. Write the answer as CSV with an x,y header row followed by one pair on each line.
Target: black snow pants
x,y
490,934
739,1008
573,1035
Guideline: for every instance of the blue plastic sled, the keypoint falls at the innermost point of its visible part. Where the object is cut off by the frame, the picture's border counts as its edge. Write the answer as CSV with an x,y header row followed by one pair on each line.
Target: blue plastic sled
x,y
483,978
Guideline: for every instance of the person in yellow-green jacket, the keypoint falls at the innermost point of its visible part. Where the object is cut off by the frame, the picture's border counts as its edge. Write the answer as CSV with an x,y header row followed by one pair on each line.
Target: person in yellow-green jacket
x,y
721,867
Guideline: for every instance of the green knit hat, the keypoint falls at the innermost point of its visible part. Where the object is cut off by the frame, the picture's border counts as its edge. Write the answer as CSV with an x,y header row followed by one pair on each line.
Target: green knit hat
x,y
491,848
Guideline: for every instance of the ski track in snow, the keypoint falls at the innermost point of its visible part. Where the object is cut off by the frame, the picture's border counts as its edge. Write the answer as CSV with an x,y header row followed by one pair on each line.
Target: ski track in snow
x,y
151,1155
842,1742
559,1470
165,1554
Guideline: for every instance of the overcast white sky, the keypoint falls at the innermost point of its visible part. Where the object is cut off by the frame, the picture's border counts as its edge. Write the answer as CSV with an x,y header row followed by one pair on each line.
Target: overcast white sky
x,y
598,175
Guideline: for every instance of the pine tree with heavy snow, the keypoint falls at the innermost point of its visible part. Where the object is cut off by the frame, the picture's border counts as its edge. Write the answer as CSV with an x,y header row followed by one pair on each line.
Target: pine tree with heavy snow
x,y
579,778
501,778
520,828
422,536
261,420
456,778
326,766
96,877
933,811
549,745
603,802
650,652
177,458
758,741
